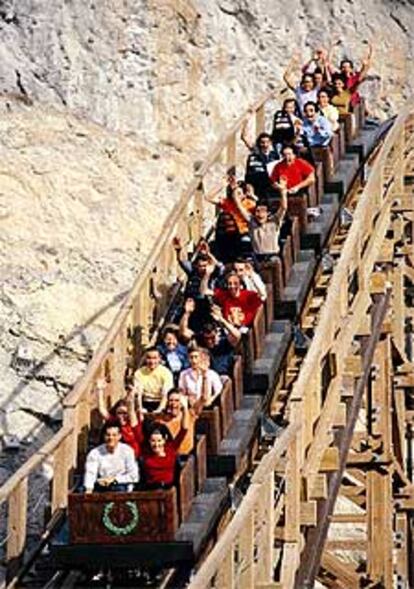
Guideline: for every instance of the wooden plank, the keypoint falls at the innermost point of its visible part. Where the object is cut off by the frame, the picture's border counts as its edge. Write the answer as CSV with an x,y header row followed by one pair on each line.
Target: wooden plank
x,y
402,548
317,486
16,528
246,554
346,544
308,513
349,518
342,571
265,548
380,533
225,574
292,493
290,562
330,460
61,471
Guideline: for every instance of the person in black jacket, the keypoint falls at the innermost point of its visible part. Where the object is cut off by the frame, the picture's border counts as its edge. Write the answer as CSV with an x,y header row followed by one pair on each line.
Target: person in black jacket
x,y
263,154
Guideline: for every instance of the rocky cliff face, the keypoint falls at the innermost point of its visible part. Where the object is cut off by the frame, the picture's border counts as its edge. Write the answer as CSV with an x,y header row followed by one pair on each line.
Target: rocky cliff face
x,y
105,107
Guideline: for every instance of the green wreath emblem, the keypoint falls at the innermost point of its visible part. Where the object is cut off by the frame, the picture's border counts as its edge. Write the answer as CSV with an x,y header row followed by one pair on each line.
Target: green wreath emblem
x,y
118,530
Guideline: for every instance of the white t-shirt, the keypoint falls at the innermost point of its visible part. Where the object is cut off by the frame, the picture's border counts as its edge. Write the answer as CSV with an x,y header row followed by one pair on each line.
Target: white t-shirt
x,y
303,97
120,464
190,382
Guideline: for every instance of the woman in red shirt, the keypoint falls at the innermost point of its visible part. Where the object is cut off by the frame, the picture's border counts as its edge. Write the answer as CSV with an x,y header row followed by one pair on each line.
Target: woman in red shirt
x,y
159,456
123,412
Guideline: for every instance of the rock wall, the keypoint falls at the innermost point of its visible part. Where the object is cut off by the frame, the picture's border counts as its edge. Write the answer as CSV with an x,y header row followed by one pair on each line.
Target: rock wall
x,y
106,105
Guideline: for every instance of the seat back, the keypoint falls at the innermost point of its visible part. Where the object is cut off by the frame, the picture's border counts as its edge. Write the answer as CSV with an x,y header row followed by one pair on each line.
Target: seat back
x,y
209,424
123,518
226,405
186,487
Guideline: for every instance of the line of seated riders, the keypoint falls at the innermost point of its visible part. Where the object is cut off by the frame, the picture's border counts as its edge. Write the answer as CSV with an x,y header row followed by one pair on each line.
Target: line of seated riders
x,y
147,433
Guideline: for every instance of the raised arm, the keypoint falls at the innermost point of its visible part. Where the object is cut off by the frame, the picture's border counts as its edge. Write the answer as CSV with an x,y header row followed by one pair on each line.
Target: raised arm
x,y
205,289
281,211
366,63
233,333
138,391
257,281
184,330
237,201
245,135
132,414
215,196
184,264
288,76
100,390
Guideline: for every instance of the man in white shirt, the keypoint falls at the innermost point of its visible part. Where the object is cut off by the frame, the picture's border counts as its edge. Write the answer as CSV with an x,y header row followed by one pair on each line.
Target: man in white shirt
x,y
200,380
251,280
112,465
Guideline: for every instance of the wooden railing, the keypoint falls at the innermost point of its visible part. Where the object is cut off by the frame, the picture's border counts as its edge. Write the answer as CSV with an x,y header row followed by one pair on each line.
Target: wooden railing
x,y
135,325
306,451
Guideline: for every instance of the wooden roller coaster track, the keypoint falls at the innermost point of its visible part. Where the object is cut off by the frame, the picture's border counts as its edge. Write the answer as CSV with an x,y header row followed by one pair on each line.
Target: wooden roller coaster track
x,y
348,420
332,500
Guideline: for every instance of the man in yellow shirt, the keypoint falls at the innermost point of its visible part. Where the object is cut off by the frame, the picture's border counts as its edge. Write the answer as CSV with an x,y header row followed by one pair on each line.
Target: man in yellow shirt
x,y
152,382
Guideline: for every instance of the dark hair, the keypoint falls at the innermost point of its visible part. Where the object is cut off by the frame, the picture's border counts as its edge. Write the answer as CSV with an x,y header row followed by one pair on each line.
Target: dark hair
x,y
230,275
262,136
159,428
118,404
287,145
107,425
209,327
336,77
295,102
311,103
326,91
344,61
318,70
201,258
174,391
263,203
170,330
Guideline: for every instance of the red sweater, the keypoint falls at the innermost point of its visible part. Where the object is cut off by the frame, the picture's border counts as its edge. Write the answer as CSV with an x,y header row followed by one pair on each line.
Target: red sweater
x,y
248,301
161,469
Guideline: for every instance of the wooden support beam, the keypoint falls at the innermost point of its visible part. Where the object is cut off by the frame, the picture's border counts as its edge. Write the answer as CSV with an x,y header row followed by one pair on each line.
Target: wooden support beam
x,y
317,486
380,532
16,529
330,460
225,575
308,513
316,537
246,554
403,549
290,561
347,577
347,544
292,493
349,518
270,515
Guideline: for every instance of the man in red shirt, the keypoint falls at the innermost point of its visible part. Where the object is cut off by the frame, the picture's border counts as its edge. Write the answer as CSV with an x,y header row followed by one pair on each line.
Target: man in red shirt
x,y
239,306
293,172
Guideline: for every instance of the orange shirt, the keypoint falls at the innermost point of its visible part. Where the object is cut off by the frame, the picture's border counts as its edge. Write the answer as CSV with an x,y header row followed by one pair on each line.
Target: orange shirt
x,y
229,206
174,425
